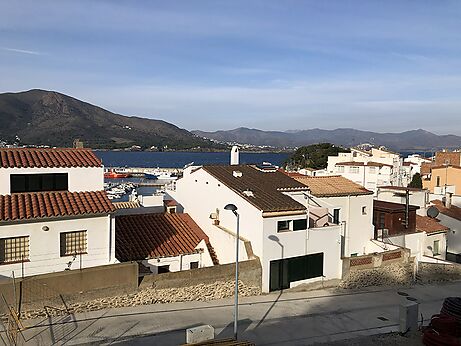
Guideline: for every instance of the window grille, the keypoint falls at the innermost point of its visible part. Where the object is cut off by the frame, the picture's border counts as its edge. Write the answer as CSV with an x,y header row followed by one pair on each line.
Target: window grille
x,y
73,243
14,249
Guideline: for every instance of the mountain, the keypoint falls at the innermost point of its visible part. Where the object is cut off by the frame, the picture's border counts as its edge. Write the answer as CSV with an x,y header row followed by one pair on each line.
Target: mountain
x,y
49,118
414,140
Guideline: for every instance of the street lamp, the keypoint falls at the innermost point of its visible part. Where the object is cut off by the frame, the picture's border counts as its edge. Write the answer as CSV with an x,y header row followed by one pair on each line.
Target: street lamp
x,y
233,209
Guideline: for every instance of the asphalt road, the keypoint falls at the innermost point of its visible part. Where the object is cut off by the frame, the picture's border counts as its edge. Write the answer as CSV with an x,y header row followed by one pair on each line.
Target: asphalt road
x,y
288,318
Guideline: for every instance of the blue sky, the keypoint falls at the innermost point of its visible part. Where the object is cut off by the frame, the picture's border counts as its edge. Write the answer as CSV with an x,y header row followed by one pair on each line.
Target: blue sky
x,y
386,66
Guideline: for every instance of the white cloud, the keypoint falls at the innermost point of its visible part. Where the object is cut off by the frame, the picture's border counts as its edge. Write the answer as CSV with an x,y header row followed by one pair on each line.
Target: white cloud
x,y
22,51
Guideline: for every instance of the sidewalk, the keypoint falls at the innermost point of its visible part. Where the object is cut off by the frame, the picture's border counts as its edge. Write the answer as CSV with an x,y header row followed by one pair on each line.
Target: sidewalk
x,y
288,318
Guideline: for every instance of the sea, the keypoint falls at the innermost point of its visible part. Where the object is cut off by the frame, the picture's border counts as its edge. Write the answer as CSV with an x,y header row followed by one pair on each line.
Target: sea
x,y
179,159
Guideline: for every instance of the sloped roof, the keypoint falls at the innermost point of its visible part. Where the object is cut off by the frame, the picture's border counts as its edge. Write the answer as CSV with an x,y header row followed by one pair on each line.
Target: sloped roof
x,y
429,225
127,205
47,158
143,236
332,186
36,205
266,187
453,211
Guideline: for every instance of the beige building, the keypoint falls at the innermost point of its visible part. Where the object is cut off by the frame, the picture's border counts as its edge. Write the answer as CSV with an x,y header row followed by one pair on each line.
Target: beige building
x,y
444,179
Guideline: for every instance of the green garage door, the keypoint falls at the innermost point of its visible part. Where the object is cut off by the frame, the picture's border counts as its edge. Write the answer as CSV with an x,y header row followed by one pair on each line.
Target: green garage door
x,y
287,270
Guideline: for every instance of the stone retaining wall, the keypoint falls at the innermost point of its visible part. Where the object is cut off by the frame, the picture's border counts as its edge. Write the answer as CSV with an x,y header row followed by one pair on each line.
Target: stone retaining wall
x,y
436,272
386,268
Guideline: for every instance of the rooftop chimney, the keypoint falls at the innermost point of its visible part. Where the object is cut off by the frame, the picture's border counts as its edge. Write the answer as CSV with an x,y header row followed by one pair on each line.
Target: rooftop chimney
x,y
448,199
234,159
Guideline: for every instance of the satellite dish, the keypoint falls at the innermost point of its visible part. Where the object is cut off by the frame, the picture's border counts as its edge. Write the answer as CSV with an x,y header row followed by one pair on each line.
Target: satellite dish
x,y
432,212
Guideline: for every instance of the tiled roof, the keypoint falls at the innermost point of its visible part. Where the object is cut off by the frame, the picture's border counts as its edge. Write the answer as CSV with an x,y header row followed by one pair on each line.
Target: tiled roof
x,y
453,211
429,225
261,189
357,163
390,206
127,205
170,203
139,237
332,186
33,205
47,158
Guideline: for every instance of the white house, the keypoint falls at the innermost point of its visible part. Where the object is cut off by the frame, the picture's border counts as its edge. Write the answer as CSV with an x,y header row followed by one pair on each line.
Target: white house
x,y
398,194
54,214
450,216
272,224
340,201
163,242
370,169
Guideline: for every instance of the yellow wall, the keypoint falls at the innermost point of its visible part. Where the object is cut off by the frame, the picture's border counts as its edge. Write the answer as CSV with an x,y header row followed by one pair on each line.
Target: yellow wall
x,y
447,175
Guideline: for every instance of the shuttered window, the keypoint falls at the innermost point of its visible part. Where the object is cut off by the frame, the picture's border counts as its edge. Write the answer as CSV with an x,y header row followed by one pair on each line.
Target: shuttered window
x,y
73,243
14,249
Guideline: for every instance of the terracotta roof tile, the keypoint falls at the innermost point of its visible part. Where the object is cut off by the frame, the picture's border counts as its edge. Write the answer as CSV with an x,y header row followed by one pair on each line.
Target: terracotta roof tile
x,y
453,211
33,205
429,225
332,186
47,158
261,189
156,235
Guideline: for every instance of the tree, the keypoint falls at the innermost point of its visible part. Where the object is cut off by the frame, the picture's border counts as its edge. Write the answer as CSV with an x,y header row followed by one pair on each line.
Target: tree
x,y
416,181
313,156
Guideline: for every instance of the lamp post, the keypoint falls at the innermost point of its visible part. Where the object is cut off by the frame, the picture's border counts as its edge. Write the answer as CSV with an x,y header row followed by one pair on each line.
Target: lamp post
x,y
233,209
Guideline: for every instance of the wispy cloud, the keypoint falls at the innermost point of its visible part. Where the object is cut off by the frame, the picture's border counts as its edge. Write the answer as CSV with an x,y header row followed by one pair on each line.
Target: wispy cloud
x,y
22,51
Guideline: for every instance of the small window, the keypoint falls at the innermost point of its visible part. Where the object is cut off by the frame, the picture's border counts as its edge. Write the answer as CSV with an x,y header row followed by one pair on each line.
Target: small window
x,y
336,216
299,225
340,169
283,226
354,169
73,243
14,249
436,248
163,269
193,265
372,170
364,210
438,181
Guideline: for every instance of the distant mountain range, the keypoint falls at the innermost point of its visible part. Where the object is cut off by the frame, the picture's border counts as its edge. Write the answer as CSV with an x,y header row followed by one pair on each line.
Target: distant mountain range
x,y
414,140
42,117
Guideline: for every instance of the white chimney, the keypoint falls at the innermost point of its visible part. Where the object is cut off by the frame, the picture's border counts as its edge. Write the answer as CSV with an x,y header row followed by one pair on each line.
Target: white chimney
x,y
234,159
448,199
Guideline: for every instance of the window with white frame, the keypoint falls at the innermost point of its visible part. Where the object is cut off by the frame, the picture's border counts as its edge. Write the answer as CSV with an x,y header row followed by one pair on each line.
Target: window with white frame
x,y
372,170
340,169
354,169
14,249
73,243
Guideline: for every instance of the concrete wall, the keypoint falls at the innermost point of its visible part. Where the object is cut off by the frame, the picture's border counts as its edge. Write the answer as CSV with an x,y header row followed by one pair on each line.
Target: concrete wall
x,y
249,273
73,285
44,246
80,178
429,245
182,262
434,272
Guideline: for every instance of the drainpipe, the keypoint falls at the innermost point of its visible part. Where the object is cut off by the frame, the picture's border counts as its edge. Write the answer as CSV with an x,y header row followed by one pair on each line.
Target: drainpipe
x,y
346,231
180,262
407,207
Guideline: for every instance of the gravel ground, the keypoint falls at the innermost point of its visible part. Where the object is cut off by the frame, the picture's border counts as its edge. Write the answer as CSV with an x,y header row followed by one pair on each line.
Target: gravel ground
x,y
389,339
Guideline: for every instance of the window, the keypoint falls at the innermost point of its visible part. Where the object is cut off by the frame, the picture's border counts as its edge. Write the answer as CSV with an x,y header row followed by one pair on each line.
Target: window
x,y
193,265
163,269
382,220
353,169
283,226
73,243
340,169
14,249
336,216
372,170
436,248
364,210
438,181
299,225
38,182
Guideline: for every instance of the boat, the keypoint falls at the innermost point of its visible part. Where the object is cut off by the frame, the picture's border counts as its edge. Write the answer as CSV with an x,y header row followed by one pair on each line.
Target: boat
x,y
150,175
160,175
115,175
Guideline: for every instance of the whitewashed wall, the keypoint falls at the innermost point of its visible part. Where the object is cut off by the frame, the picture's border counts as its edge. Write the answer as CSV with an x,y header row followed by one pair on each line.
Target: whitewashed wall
x,y
179,263
430,238
44,246
417,198
80,178
454,235
413,241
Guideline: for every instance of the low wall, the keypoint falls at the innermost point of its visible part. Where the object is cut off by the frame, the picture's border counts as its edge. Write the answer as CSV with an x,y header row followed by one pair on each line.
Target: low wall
x,y
436,272
249,274
386,268
72,285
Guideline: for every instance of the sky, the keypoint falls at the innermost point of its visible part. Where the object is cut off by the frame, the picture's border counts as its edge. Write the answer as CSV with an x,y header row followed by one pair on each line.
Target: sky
x,y
385,66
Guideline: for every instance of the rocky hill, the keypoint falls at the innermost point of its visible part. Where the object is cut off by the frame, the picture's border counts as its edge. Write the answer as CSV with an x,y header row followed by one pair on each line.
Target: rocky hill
x,y
42,117
414,140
